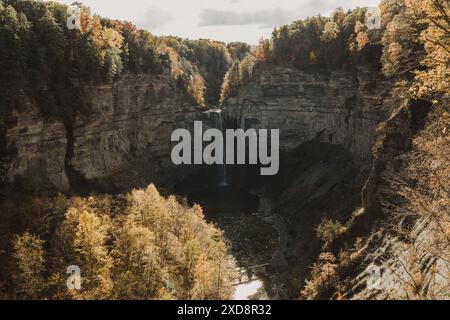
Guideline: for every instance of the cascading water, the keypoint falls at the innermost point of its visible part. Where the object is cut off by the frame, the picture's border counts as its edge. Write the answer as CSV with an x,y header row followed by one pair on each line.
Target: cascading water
x,y
221,168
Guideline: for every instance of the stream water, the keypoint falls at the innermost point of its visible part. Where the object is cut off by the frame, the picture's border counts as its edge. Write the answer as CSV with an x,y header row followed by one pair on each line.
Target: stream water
x,y
235,211
225,206
247,291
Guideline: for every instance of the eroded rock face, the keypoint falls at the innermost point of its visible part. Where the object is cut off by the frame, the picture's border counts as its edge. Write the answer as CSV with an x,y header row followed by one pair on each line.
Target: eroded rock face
x,y
38,147
408,269
342,107
123,140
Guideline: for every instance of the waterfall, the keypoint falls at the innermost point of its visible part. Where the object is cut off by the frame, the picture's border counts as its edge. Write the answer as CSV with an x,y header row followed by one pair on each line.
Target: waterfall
x,y
221,168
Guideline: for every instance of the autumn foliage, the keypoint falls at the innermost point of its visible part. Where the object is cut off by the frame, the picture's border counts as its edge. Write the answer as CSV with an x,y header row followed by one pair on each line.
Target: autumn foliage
x,y
138,245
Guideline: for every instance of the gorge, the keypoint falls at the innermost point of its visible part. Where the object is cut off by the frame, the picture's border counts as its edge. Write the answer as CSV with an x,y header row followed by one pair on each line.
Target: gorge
x,y
86,152
342,108
125,141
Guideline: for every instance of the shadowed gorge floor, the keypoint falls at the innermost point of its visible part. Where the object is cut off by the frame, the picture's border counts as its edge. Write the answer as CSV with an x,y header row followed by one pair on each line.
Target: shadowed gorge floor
x,y
316,181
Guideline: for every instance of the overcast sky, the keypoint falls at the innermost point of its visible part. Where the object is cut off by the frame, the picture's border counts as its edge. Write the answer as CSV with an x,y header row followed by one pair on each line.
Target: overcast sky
x,y
226,20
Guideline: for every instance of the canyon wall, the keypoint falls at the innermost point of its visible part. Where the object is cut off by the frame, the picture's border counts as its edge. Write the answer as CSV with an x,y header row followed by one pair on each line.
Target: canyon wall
x,y
339,107
123,140
328,124
406,240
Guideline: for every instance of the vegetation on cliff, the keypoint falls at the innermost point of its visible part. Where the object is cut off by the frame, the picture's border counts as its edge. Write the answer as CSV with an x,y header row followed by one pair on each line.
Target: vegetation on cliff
x,y
408,192
41,59
412,45
317,44
46,64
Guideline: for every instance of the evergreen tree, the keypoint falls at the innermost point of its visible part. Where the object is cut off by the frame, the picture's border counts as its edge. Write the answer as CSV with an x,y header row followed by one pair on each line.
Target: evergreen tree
x,y
281,43
231,81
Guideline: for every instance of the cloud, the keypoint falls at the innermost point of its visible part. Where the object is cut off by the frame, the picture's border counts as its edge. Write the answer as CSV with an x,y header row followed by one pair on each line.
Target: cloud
x,y
264,18
267,17
155,18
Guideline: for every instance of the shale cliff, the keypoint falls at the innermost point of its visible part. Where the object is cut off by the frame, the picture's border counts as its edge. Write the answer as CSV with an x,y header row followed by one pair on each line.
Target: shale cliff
x,y
403,224
359,226
338,107
123,139
328,127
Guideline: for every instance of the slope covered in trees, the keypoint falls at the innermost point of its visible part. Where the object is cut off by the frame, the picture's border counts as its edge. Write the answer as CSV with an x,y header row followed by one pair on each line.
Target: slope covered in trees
x,y
138,245
406,201
411,45
315,44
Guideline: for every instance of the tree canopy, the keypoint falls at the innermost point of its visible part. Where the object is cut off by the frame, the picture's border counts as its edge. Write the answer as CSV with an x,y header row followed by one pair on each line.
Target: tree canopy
x,y
139,245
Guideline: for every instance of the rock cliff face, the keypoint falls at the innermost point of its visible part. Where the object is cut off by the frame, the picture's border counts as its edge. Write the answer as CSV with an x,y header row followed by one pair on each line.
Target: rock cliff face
x,y
123,140
409,247
37,147
328,128
341,107
408,269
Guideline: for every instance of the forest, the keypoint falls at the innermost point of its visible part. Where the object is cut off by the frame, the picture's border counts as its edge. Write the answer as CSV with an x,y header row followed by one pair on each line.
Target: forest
x,y
411,47
138,245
